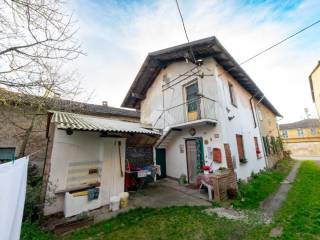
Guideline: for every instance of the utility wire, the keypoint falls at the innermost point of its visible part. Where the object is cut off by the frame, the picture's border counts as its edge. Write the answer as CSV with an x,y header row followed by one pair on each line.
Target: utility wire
x,y
185,31
277,44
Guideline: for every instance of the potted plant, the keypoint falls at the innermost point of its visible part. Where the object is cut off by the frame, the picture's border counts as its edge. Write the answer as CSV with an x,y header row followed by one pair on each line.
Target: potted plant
x,y
258,152
206,169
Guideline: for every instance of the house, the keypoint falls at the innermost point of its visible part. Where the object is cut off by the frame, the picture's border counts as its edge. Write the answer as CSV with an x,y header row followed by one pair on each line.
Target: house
x,y
86,159
270,135
314,80
302,138
23,123
205,105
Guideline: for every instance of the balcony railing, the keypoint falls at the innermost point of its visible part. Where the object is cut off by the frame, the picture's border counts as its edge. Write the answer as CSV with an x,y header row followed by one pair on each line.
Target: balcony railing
x,y
193,110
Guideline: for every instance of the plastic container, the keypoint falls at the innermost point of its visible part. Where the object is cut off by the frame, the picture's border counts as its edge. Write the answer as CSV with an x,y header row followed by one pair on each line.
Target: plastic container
x,y
114,203
124,199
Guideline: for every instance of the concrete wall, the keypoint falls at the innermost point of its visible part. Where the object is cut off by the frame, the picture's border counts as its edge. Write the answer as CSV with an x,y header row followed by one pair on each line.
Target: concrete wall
x,y
303,149
91,150
315,78
215,86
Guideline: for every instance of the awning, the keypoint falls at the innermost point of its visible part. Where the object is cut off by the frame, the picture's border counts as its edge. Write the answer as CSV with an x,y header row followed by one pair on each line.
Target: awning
x,y
92,123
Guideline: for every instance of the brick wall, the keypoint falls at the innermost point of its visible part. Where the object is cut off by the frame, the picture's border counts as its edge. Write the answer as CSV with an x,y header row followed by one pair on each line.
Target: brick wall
x,y
14,122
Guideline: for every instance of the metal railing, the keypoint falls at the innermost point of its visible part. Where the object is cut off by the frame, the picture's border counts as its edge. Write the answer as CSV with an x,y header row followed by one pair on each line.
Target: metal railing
x,y
193,110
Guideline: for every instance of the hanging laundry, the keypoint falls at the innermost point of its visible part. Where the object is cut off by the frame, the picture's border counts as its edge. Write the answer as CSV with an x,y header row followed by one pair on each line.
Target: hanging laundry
x,y
13,182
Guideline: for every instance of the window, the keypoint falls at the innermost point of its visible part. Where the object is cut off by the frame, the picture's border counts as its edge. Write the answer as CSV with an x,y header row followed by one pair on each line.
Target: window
x,y
313,131
240,147
300,132
7,154
193,101
258,152
232,95
284,133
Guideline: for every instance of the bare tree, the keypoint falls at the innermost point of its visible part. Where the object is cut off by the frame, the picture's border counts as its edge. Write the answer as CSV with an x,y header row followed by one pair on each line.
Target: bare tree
x,y
34,35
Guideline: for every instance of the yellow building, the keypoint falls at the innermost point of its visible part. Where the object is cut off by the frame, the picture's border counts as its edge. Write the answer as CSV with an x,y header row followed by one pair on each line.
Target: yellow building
x,y
314,80
302,138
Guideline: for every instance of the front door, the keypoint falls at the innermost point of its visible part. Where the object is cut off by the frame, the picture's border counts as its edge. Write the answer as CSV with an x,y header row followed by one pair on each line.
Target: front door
x,y
161,160
193,102
194,152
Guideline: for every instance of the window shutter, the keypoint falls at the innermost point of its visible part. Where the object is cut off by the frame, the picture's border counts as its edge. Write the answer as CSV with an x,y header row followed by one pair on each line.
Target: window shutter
x,y
240,146
217,155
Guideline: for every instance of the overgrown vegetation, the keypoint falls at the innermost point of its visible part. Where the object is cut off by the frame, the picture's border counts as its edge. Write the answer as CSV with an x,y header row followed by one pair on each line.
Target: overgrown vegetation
x,y
262,185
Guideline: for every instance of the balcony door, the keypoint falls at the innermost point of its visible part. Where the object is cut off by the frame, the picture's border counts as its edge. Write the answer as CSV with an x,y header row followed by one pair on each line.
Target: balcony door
x,y
192,101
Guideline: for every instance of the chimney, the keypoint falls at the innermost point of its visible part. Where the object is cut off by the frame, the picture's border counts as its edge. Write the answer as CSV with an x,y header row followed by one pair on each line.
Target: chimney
x,y
105,103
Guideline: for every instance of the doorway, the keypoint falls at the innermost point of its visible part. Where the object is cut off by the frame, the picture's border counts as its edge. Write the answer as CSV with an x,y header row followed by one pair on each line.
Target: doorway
x,y
161,160
195,160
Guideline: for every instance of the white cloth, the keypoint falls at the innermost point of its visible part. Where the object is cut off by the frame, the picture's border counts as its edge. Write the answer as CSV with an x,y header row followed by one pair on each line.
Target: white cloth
x,y
13,181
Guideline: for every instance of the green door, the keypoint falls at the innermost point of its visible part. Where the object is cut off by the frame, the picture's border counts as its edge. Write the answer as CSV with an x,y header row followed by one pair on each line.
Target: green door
x,y
161,160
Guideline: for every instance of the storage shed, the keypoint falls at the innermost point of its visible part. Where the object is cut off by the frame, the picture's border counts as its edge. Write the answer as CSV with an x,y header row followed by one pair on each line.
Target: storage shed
x,y
86,158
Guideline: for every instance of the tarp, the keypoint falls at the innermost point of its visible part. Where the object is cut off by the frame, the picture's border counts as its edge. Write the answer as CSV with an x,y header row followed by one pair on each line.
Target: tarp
x,y
13,181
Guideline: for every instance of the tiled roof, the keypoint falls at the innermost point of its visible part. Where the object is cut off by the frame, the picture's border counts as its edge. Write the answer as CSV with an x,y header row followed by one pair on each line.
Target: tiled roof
x,y
65,105
203,48
306,123
93,123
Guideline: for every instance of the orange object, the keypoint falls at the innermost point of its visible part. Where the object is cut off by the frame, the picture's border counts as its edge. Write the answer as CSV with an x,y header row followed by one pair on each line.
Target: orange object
x,y
217,155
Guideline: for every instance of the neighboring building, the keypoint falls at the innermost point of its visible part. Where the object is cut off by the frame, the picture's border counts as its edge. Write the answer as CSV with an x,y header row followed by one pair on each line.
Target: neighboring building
x,y
270,134
17,112
314,80
206,110
302,138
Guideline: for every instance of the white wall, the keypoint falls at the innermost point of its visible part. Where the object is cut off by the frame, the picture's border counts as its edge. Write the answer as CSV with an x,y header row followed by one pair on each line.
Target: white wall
x,y
84,146
215,86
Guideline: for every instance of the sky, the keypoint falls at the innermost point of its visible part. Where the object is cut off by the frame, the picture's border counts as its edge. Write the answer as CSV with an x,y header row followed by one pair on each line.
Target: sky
x,y
117,36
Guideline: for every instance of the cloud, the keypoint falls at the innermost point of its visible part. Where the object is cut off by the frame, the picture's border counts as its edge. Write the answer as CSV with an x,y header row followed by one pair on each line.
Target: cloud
x,y
118,35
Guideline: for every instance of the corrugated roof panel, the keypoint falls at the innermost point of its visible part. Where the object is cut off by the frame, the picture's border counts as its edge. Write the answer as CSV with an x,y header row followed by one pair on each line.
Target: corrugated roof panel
x,y
92,123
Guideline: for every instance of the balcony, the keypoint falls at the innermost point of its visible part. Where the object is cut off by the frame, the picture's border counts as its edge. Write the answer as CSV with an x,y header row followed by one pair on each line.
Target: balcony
x,y
194,112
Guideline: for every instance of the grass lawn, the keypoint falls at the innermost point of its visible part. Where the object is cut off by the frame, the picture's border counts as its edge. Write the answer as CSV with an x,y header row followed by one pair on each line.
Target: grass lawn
x,y
262,185
299,216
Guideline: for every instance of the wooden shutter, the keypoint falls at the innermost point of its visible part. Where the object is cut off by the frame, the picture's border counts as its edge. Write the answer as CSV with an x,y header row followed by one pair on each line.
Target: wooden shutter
x,y
240,146
228,156
217,155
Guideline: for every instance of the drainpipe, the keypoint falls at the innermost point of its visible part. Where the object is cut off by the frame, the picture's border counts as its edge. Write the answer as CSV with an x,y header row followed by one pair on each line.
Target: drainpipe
x,y
260,131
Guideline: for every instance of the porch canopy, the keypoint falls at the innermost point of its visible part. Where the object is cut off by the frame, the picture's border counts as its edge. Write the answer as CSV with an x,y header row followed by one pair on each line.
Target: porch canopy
x,y
109,126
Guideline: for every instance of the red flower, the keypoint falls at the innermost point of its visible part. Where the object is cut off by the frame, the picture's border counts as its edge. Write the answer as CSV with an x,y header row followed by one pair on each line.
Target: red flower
x,y
206,168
